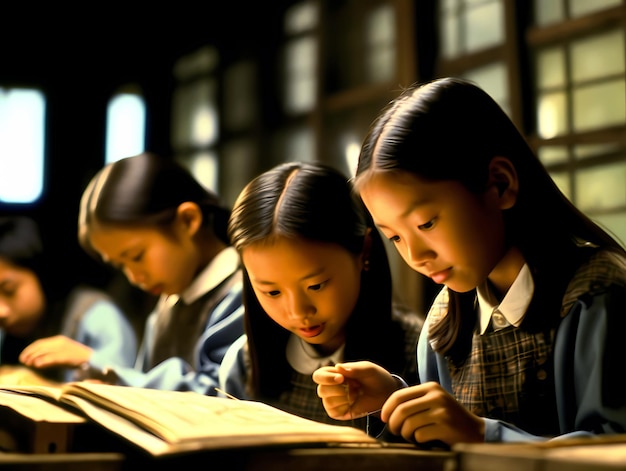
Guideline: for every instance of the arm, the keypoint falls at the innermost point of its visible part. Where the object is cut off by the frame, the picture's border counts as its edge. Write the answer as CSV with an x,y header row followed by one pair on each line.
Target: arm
x,y
103,332
233,372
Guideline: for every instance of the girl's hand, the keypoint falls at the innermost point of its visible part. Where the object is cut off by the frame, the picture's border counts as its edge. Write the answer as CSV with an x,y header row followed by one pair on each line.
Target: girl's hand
x,y
352,390
58,350
427,412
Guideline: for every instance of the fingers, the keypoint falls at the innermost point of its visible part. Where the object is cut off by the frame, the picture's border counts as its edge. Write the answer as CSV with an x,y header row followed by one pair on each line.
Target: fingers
x,y
54,351
427,412
327,375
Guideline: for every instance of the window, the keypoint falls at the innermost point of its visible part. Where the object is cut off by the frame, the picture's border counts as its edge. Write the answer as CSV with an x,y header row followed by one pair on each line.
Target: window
x,y
195,116
580,93
22,143
126,121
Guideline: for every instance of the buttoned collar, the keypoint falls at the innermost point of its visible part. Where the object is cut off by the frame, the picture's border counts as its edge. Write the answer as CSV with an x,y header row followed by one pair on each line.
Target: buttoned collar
x,y
514,305
304,358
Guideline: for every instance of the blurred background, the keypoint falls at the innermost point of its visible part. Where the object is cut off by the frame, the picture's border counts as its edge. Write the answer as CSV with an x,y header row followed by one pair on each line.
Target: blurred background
x,y
232,88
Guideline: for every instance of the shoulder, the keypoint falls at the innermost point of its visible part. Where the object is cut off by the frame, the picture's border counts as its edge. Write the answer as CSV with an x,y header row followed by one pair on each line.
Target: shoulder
x,y
602,270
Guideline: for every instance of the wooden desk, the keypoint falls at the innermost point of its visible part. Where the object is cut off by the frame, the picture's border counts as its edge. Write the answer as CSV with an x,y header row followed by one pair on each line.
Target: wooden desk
x,y
62,461
593,454
258,459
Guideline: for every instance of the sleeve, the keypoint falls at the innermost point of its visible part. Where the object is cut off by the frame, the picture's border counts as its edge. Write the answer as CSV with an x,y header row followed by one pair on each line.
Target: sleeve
x,y
105,329
176,374
589,356
233,372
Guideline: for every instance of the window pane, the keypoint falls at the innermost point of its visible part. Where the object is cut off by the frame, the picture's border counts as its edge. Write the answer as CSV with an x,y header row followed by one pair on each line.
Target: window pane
x,y
584,7
586,151
485,25
548,11
126,123
301,17
195,119
550,155
381,33
551,70
598,56
552,113
450,33
238,167
600,105
614,223
300,61
22,116
601,187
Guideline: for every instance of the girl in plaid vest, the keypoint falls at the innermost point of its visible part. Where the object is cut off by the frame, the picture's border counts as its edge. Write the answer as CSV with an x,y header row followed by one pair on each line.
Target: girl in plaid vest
x,y
525,339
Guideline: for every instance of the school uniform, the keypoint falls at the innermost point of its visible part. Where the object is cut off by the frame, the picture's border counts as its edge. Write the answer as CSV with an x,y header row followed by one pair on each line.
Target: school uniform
x,y
302,398
186,336
534,384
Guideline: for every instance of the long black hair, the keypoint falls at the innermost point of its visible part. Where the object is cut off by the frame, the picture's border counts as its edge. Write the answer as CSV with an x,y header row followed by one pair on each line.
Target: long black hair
x,y
145,189
450,129
313,202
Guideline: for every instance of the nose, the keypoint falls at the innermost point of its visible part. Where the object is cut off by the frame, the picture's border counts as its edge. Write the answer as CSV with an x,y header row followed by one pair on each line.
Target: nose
x,y
135,276
4,310
417,252
299,306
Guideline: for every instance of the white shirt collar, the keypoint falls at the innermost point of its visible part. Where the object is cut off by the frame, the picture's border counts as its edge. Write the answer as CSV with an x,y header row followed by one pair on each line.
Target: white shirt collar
x,y
223,264
304,358
514,305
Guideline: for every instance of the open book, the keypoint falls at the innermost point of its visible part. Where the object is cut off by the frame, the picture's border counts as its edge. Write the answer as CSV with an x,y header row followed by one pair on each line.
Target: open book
x,y
166,422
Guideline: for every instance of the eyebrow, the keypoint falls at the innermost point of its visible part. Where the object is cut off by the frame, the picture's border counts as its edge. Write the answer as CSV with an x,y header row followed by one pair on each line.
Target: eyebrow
x,y
410,208
305,277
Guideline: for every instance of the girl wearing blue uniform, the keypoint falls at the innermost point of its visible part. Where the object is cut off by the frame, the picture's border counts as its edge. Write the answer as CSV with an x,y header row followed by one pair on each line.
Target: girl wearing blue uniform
x,y
150,218
45,324
317,290
524,340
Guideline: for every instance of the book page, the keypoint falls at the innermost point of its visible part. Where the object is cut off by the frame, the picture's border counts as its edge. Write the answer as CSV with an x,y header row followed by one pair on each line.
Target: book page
x,y
165,422
36,409
177,416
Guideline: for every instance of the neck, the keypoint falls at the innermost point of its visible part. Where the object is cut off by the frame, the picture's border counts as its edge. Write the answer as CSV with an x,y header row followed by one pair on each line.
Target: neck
x,y
506,271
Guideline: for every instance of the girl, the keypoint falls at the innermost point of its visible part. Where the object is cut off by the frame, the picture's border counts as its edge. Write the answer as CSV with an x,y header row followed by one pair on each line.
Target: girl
x,y
46,325
524,340
148,216
317,289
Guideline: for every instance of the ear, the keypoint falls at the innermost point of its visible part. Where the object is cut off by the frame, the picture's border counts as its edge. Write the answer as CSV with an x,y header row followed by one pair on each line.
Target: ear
x,y
189,216
503,182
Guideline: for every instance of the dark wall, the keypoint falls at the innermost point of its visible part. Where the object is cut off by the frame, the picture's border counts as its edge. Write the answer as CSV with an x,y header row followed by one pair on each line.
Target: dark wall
x,y
79,59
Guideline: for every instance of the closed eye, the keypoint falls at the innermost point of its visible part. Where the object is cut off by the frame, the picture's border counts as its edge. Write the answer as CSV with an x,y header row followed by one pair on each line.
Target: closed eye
x,y
318,286
138,257
427,226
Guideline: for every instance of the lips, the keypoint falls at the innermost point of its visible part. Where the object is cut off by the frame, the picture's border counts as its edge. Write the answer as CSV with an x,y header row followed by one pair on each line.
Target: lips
x,y
440,276
312,331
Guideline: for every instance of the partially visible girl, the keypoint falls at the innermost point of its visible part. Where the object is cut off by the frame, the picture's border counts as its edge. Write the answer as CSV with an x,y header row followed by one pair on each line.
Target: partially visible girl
x,y
525,339
150,218
52,328
317,290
